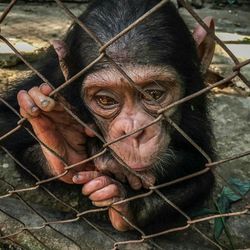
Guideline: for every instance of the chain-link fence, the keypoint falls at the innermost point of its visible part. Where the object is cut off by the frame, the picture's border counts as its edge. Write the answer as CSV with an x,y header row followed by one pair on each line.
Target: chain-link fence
x,y
211,165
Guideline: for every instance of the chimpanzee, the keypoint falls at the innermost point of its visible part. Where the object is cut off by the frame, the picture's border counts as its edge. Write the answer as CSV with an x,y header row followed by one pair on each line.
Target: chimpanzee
x,y
164,60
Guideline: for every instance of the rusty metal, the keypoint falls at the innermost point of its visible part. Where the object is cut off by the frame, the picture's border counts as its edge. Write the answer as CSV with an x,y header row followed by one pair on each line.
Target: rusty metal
x,y
189,8
7,10
245,211
80,215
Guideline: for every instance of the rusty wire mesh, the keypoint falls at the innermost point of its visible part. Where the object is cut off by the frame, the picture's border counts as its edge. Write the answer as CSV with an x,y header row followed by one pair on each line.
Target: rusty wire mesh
x,y
210,166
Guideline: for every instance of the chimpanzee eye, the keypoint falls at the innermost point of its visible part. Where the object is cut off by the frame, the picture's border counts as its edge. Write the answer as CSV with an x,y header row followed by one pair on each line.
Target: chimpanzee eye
x,y
153,94
105,101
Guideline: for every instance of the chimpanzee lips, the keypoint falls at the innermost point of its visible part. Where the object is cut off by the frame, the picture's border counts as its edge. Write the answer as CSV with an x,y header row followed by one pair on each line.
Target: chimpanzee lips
x,y
139,167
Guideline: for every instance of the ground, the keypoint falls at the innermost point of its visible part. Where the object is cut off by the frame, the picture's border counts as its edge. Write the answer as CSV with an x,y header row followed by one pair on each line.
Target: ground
x,y
30,28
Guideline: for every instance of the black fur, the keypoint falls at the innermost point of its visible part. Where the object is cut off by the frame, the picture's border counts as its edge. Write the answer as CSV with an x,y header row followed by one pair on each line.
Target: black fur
x,y
162,39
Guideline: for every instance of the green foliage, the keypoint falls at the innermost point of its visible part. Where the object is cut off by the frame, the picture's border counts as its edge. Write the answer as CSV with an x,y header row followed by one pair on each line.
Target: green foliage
x,y
226,1
227,197
223,204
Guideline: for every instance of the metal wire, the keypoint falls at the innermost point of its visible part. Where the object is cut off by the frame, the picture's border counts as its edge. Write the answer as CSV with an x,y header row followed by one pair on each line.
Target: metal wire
x,y
81,215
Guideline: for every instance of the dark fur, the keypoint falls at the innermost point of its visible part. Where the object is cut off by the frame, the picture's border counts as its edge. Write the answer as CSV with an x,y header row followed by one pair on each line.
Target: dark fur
x,y
162,39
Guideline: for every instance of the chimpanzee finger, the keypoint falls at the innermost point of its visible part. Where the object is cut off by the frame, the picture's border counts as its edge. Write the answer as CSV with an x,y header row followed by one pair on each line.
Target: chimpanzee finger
x,y
148,180
85,176
106,203
44,102
45,89
107,192
96,184
109,165
28,107
134,182
90,131
116,219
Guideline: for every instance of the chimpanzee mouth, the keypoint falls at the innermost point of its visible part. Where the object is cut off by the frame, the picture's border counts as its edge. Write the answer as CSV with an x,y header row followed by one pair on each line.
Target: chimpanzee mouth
x,y
140,167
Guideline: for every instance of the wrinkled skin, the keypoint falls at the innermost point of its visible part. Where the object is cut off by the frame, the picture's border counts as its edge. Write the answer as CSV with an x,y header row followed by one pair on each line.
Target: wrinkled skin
x,y
62,134
119,109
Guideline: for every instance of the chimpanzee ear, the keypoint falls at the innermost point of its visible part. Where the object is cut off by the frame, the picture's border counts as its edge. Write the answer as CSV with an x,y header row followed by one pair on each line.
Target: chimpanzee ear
x,y
61,48
205,43
62,52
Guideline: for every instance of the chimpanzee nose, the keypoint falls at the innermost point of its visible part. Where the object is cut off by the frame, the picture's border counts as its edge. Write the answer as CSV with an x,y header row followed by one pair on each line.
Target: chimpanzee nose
x,y
135,137
128,126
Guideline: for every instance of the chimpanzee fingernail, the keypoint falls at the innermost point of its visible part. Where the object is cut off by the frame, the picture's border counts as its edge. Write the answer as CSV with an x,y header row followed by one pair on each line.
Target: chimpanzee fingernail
x,y
43,85
45,103
75,178
34,109
22,91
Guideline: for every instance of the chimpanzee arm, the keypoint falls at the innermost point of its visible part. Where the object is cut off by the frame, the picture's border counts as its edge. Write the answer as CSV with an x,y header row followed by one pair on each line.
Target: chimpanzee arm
x,y
103,190
8,120
21,143
154,211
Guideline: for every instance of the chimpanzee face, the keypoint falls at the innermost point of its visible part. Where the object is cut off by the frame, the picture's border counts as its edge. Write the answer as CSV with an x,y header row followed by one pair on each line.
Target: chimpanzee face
x,y
120,109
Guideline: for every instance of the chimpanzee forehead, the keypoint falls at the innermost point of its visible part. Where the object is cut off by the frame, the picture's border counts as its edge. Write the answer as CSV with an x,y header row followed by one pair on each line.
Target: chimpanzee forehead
x,y
162,38
139,74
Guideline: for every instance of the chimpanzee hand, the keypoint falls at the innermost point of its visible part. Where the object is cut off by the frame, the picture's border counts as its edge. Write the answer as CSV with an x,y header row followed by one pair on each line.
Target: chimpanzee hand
x,y
108,165
104,191
61,133
55,128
